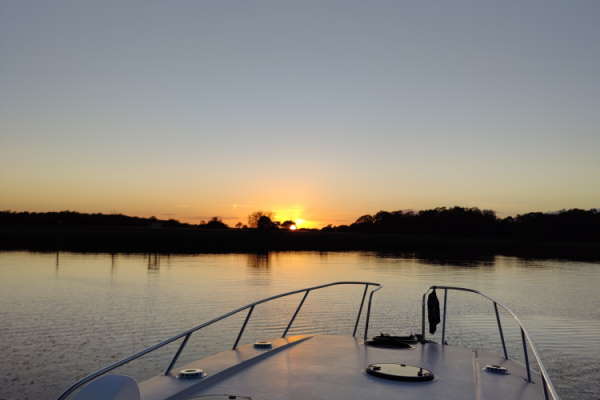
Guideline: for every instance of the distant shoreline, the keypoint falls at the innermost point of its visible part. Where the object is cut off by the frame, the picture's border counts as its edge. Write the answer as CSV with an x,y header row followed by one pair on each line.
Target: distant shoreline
x,y
190,240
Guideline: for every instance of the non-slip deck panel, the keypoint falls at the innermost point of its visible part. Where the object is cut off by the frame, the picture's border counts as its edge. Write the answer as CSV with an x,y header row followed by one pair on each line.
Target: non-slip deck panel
x,y
216,367
333,367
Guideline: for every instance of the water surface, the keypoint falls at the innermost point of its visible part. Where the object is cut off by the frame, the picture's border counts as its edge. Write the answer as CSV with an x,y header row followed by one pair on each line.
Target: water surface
x,y
64,315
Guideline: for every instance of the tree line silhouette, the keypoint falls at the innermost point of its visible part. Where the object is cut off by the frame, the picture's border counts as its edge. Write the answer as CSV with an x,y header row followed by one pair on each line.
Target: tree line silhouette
x,y
72,218
571,224
472,221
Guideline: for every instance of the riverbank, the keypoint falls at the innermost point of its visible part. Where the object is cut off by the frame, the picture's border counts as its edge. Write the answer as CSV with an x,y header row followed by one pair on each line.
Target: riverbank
x,y
189,240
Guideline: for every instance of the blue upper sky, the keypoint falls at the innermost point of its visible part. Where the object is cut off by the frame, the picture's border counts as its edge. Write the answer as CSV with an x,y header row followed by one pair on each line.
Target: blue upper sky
x,y
320,110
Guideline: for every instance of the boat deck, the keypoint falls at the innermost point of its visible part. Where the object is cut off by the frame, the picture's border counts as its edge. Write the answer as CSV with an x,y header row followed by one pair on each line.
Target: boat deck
x,y
333,367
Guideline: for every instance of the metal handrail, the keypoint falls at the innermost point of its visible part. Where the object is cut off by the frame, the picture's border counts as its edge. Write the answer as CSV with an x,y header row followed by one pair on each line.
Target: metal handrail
x,y
549,390
250,307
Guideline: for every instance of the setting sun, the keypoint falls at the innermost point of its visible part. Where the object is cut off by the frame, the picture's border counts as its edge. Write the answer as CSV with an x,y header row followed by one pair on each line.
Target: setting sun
x,y
294,214
293,227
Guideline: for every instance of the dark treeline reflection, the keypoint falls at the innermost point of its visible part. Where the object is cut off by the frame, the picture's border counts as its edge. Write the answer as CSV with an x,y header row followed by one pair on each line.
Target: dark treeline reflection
x,y
259,260
447,258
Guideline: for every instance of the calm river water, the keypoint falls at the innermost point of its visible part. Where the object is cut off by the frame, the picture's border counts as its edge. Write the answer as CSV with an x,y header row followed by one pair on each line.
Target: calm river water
x,y
64,315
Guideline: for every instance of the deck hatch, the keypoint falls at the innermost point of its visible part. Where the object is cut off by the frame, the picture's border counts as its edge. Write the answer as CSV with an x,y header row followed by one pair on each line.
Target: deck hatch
x,y
496,369
220,397
400,372
393,342
191,373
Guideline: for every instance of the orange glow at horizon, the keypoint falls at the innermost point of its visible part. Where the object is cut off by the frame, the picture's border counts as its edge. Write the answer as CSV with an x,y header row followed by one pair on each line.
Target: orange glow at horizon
x,y
294,214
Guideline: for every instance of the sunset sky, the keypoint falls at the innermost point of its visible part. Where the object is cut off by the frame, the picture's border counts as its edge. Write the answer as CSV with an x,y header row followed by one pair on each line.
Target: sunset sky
x,y
319,110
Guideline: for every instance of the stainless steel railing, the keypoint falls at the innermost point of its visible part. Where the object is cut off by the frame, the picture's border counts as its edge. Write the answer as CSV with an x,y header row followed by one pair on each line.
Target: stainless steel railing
x,y
250,307
549,390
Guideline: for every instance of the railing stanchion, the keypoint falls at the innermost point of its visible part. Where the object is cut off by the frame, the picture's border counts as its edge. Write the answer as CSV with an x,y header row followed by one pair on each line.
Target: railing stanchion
x,y
176,356
444,320
243,328
423,318
295,314
549,389
362,302
501,331
369,313
526,355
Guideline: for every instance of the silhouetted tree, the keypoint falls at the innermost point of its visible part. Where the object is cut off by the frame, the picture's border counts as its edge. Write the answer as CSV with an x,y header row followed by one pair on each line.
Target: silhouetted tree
x,y
264,223
571,224
255,216
365,219
287,224
72,218
568,225
214,223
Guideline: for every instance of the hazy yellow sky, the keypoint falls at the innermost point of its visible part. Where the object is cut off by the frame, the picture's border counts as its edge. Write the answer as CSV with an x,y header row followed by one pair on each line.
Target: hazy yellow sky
x,y
190,110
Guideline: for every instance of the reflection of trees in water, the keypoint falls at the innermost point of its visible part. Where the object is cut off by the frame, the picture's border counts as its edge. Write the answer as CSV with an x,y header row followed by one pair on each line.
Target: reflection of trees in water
x,y
113,266
153,262
259,260
477,261
459,259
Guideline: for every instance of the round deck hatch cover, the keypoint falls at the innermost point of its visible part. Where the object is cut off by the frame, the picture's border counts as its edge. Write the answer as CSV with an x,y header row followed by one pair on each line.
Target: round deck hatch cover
x,y
191,373
400,372
220,397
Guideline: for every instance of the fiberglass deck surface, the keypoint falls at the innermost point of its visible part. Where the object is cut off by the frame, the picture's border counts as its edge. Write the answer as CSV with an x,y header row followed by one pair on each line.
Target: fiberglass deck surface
x,y
333,367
